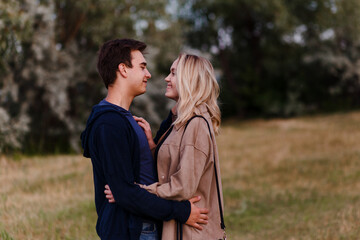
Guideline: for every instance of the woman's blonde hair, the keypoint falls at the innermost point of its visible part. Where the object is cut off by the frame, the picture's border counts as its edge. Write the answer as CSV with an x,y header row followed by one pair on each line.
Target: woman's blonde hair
x,y
196,84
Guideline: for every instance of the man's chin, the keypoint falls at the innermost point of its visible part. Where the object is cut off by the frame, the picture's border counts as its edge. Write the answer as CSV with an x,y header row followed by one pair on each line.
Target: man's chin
x,y
141,93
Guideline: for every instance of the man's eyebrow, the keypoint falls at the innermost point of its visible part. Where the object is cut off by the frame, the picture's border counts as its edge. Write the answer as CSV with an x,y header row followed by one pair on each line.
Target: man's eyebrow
x,y
143,63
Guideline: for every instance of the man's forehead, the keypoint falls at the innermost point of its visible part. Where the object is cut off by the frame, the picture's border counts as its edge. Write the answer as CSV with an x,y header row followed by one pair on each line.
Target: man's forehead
x,y
137,56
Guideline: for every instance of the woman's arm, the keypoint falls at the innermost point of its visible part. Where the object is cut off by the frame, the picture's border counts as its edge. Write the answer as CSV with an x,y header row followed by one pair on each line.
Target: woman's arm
x,y
147,129
194,159
165,125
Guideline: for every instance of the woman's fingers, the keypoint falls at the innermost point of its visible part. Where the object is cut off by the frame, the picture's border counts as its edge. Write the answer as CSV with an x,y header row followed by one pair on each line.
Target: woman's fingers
x,y
139,119
110,198
146,128
108,194
142,125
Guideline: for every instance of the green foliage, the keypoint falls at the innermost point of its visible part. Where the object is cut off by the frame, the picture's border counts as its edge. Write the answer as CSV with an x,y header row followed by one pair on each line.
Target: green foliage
x,y
275,58
49,51
14,28
280,58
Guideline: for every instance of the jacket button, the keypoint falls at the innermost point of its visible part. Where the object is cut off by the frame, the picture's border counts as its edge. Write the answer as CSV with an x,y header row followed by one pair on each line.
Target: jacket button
x,y
162,177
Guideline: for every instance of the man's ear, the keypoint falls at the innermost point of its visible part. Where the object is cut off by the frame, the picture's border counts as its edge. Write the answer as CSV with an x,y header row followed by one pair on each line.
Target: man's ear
x,y
122,69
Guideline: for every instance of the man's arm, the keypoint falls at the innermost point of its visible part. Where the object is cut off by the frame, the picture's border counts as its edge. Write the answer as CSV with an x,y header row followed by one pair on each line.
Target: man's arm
x,y
114,147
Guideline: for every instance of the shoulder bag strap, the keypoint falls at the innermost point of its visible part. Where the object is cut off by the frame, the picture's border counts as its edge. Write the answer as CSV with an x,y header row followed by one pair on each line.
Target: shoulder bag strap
x,y
222,224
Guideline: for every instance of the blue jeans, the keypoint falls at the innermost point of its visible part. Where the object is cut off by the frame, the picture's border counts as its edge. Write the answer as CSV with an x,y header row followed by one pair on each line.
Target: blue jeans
x,y
149,232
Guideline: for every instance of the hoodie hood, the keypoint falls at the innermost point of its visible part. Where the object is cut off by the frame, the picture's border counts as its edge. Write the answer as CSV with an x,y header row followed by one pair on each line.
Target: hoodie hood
x,y
96,112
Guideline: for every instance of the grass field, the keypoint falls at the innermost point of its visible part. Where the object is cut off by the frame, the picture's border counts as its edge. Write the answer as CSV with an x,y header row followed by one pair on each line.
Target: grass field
x,y
282,179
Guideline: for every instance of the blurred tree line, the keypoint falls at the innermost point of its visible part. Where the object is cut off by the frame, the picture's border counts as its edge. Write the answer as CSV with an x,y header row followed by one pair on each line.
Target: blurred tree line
x,y
280,57
273,58
49,80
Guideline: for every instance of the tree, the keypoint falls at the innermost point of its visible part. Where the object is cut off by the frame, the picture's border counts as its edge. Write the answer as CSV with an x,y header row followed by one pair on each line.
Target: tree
x,y
279,58
14,30
51,80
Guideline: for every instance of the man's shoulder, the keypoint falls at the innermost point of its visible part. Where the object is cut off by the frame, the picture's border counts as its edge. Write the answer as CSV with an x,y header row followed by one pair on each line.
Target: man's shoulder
x,y
111,119
107,112
112,116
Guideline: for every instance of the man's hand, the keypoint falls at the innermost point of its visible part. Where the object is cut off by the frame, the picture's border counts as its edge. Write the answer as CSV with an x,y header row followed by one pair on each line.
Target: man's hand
x,y
197,215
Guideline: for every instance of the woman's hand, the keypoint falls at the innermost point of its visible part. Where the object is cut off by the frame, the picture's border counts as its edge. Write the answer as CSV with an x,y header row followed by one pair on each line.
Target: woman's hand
x,y
147,129
108,194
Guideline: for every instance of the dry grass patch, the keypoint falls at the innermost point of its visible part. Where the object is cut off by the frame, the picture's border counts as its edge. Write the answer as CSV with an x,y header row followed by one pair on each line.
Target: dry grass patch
x,y
37,193
282,179
292,179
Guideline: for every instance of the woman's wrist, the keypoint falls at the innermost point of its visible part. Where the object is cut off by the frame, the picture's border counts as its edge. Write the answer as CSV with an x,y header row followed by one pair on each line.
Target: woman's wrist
x,y
152,144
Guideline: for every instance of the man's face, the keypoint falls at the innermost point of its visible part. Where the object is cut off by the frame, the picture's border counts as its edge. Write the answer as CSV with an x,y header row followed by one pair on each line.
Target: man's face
x,y
138,74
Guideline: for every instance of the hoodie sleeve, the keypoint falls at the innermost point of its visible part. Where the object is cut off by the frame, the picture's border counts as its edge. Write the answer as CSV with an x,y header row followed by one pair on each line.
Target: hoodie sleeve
x,y
114,148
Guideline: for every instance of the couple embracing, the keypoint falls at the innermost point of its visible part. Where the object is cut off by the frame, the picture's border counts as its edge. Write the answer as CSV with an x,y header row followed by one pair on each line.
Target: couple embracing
x,y
168,187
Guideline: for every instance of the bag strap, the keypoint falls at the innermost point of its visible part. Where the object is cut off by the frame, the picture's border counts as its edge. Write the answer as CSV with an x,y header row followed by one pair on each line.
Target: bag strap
x,y
222,224
179,232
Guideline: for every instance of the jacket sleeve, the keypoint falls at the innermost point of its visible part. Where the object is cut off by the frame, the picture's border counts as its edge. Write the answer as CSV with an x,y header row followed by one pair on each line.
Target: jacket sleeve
x,y
194,159
114,146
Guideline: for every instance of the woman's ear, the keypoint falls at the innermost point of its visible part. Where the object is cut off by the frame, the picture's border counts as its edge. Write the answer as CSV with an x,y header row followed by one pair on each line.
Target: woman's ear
x,y
122,69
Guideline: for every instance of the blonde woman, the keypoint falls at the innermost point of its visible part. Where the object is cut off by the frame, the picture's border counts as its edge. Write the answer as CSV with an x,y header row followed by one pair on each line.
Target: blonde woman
x,y
186,152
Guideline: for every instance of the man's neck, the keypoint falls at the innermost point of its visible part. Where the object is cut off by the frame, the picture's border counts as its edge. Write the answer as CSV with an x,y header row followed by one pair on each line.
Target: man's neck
x,y
121,100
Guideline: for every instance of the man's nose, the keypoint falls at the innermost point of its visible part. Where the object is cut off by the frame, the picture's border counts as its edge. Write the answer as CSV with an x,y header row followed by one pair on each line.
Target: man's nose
x,y
148,75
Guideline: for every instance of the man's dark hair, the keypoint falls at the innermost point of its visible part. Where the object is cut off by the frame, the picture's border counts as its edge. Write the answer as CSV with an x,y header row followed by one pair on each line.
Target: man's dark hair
x,y
114,52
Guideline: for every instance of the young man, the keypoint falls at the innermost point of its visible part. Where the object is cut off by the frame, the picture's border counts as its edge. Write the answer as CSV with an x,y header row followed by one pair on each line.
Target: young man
x,y
120,153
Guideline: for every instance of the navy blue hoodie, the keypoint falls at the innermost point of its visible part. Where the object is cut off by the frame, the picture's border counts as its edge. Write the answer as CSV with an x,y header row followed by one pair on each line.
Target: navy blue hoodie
x,y
113,146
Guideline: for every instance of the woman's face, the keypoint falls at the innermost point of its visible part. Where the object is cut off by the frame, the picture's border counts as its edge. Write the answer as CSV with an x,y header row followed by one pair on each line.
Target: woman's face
x,y
171,79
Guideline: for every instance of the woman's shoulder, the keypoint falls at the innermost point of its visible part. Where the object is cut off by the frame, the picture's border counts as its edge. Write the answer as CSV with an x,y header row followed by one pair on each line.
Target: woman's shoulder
x,y
197,131
198,123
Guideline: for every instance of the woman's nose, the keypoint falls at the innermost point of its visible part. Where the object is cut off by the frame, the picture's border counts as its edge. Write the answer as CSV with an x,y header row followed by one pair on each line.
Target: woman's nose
x,y
167,79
